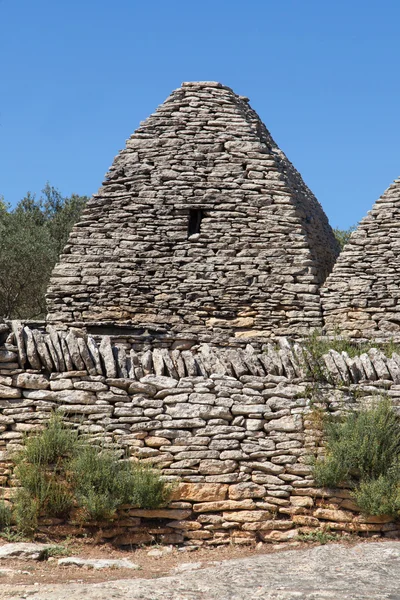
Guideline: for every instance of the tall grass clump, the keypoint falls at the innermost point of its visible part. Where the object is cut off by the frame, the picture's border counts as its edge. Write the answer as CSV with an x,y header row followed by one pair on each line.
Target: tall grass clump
x,y
362,449
59,471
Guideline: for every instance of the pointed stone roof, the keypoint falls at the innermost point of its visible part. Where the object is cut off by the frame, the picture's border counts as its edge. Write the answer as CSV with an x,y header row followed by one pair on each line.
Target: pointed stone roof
x,y
202,225
361,297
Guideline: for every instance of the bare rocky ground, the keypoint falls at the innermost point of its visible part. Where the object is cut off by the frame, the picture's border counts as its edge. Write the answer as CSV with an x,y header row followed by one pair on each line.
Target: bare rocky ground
x,y
331,572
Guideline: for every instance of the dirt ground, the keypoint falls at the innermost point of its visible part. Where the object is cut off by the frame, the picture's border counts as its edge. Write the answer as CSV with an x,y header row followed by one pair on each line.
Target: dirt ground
x,y
48,571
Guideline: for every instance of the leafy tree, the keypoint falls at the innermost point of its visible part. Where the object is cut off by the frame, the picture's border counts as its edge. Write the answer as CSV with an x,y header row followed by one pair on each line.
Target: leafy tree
x,y
32,236
343,235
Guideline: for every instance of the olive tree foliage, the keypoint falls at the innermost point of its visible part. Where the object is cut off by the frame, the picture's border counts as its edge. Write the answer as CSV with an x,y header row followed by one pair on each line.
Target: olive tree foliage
x,y
32,235
343,235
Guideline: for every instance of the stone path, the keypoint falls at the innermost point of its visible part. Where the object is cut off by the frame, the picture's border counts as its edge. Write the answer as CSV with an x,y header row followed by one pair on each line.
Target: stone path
x,y
333,572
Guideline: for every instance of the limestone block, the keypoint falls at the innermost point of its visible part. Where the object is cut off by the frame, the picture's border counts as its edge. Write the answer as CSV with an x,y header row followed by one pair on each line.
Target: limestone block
x,y
333,515
200,492
159,382
245,490
32,381
217,467
288,424
204,507
160,513
279,536
247,516
9,392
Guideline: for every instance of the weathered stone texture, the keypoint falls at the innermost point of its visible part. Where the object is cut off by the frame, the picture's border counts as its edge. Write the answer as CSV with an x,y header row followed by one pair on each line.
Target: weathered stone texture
x,y
361,297
264,245
237,446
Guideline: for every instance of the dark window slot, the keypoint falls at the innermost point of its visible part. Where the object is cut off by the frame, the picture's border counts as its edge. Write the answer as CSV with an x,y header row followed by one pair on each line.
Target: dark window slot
x,y
195,218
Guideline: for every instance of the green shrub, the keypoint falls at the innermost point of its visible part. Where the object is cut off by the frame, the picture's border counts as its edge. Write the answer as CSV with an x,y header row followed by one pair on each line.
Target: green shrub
x,y
363,450
5,515
148,488
52,494
380,496
26,512
321,537
99,482
59,471
102,483
52,446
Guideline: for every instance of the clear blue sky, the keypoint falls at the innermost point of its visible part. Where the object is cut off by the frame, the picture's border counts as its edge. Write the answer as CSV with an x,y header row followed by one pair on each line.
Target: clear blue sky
x,y
77,76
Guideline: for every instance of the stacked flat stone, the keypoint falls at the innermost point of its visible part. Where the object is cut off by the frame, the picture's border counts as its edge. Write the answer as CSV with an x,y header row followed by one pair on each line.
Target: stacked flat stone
x,y
238,448
252,266
361,297
65,352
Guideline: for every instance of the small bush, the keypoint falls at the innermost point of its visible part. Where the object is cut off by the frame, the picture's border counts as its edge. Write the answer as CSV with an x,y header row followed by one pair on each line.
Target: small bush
x,y
26,512
52,446
148,488
102,483
5,515
99,482
363,450
380,496
58,471
321,537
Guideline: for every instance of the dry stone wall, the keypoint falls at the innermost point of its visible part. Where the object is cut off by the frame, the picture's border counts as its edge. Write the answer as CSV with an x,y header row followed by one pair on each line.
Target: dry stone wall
x,y
202,226
361,297
236,439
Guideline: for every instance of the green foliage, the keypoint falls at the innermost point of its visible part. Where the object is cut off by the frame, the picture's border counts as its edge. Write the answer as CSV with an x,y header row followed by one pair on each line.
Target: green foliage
x,y
26,512
11,535
319,536
380,496
31,239
41,468
5,515
103,483
343,235
318,345
59,471
363,450
148,490
50,448
99,480
56,552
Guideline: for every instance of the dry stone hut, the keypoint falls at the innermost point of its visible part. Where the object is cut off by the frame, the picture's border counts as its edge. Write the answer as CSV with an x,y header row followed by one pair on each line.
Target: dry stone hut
x,y
361,297
202,225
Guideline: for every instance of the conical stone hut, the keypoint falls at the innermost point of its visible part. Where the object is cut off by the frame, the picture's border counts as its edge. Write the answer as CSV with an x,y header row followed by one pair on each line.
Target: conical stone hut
x,y
202,225
361,297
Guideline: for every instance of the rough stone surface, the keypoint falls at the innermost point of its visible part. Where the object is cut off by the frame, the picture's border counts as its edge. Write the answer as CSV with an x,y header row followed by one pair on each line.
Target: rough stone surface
x,y
24,550
202,225
236,447
361,297
331,572
98,563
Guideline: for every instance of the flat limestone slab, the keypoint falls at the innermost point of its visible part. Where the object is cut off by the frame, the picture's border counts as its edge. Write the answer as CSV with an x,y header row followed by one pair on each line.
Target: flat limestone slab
x,y
332,572
98,563
24,550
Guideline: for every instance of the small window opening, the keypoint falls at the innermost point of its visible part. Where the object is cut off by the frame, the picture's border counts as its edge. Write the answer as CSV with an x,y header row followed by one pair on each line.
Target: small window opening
x,y
195,218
